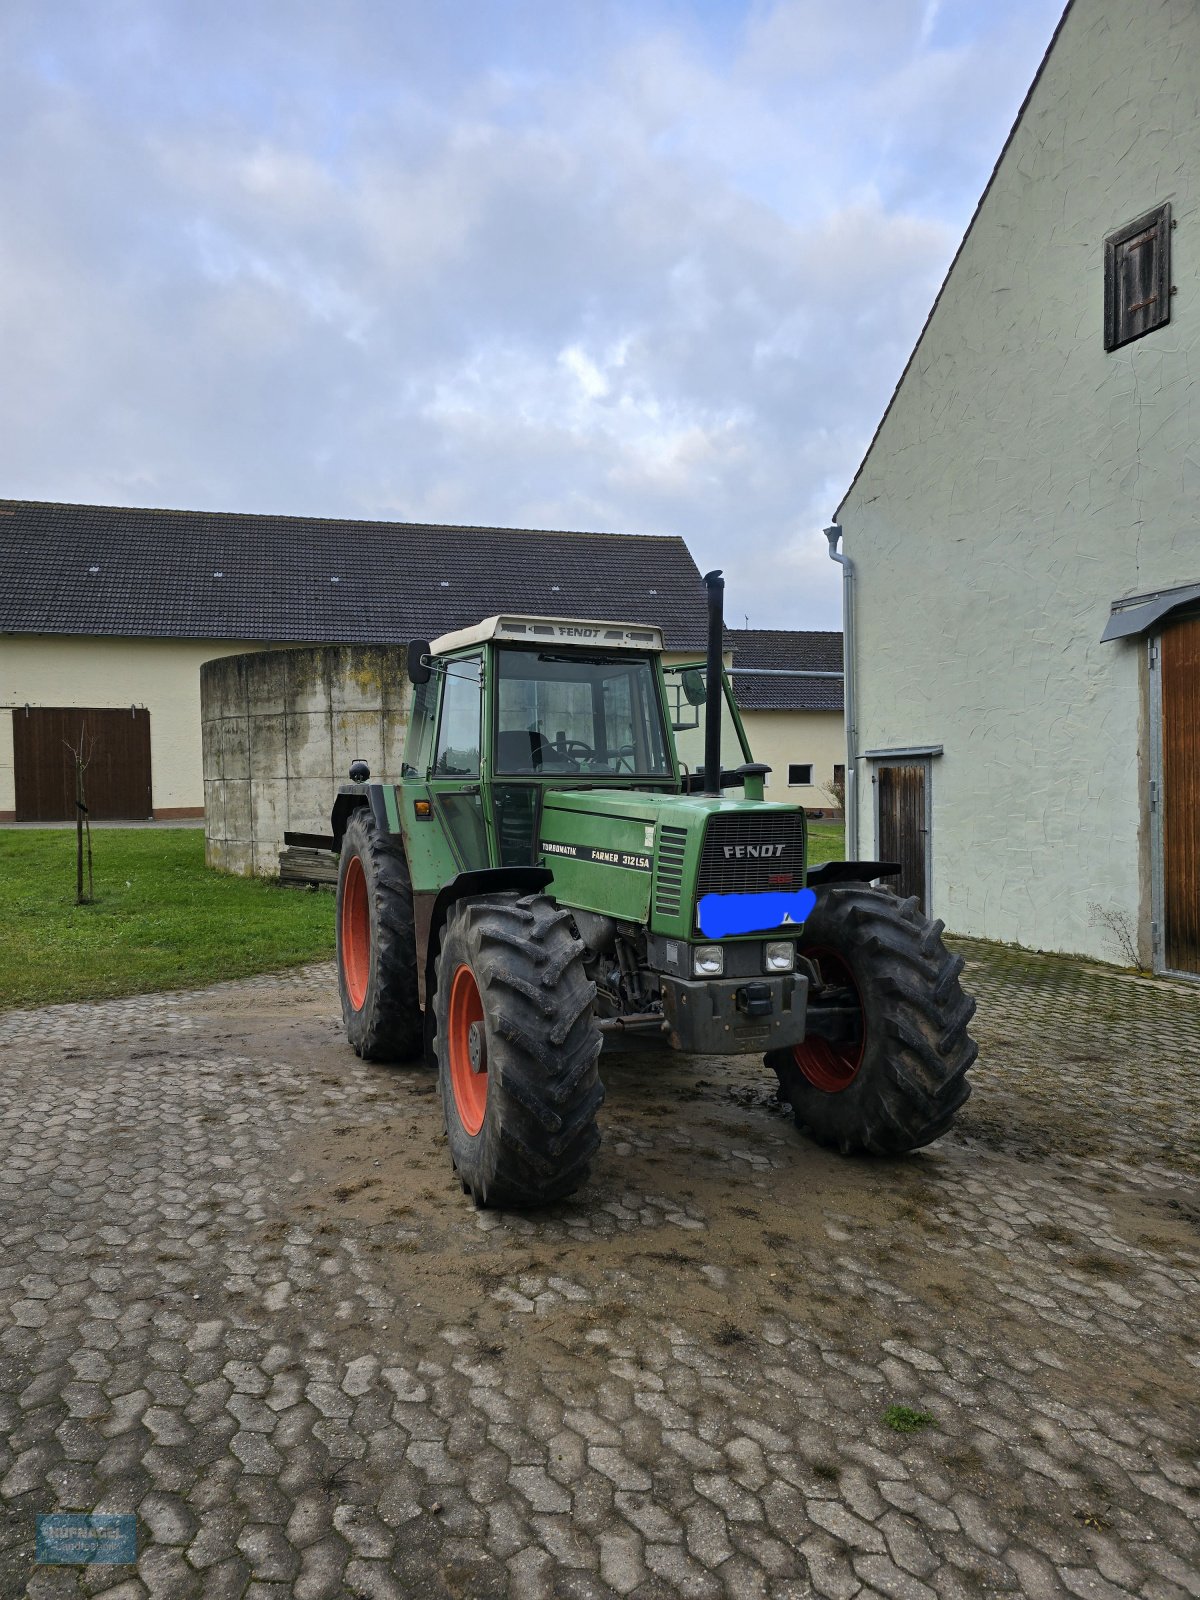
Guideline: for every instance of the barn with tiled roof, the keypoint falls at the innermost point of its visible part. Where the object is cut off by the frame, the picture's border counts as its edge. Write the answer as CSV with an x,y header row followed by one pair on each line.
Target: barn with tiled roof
x,y
113,609
788,687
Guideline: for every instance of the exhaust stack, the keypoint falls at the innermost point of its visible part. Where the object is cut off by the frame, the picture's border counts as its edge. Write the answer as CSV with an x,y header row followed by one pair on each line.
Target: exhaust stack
x,y
715,585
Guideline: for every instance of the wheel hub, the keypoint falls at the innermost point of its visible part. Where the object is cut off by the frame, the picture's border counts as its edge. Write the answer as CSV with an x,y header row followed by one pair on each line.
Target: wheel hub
x,y
477,1047
354,934
831,1064
466,1051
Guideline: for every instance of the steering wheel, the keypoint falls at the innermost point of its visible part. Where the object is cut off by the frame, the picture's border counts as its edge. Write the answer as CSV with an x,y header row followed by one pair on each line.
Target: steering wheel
x,y
570,746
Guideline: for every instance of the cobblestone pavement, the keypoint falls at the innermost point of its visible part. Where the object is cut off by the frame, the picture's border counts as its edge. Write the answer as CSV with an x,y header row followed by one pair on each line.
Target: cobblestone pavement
x,y
242,1296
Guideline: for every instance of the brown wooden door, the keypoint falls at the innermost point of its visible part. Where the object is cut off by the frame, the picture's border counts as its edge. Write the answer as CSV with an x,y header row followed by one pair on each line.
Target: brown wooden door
x,y
118,774
1180,655
902,828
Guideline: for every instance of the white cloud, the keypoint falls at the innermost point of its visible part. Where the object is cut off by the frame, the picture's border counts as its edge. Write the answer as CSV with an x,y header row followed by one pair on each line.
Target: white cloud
x,y
554,269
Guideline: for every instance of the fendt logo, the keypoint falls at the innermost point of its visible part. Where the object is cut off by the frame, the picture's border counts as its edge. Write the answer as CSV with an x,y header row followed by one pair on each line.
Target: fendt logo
x,y
755,852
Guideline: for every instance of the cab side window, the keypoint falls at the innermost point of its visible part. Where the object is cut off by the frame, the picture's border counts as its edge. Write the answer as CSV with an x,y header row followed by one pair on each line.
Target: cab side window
x,y
418,746
462,720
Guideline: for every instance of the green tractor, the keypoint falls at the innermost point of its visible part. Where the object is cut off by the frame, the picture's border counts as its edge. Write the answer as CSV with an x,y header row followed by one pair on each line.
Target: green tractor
x,y
575,852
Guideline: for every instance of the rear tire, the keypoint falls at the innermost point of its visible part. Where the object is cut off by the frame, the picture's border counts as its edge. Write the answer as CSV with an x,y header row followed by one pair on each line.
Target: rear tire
x,y
376,944
516,1044
900,1083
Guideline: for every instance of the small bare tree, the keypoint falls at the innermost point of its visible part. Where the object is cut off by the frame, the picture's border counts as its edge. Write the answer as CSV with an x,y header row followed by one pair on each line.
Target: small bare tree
x,y
1120,931
81,756
836,790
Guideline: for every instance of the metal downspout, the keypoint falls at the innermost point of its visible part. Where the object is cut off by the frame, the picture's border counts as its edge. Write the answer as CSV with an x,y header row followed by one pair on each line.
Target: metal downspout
x,y
850,703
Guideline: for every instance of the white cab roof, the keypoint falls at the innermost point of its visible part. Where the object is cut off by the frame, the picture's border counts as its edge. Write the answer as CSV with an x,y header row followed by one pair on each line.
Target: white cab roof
x,y
582,632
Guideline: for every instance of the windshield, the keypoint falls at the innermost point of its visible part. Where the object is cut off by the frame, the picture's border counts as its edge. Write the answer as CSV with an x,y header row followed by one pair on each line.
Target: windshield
x,y
578,713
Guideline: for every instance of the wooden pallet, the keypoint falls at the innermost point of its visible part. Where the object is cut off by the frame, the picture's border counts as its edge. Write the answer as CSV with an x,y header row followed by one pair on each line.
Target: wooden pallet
x,y
297,865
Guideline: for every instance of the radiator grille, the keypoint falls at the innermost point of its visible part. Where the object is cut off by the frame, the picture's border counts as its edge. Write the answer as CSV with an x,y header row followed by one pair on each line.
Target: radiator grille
x,y
723,871
668,887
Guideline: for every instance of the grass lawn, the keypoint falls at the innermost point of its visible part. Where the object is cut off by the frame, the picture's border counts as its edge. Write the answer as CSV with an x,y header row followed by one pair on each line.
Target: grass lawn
x,y
825,842
161,920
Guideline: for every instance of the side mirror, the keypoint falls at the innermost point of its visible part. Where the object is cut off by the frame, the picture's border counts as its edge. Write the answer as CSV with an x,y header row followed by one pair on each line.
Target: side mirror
x,y
418,668
694,691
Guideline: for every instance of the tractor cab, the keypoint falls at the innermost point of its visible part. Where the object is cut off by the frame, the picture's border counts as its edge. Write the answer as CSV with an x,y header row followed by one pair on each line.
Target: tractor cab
x,y
511,708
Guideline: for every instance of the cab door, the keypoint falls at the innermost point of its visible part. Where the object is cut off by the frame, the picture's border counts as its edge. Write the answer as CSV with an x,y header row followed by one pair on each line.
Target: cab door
x,y
454,780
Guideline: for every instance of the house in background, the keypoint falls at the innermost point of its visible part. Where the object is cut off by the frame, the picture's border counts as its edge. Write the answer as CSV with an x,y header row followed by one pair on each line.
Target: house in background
x,y
110,611
1025,527
792,711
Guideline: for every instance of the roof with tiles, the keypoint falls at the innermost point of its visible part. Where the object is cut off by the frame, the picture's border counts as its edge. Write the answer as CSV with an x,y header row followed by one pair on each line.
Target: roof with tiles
x,y
785,650
78,569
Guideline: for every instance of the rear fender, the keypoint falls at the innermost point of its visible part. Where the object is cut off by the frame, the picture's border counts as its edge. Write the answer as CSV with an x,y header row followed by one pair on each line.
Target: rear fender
x,y
352,797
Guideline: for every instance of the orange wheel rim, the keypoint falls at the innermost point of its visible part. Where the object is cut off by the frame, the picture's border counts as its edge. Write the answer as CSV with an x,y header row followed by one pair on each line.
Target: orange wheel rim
x,y
467,1049
356,933
828,1064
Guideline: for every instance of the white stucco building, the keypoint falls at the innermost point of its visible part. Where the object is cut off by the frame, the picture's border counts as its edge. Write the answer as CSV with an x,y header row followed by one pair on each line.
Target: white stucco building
x,y
1025,527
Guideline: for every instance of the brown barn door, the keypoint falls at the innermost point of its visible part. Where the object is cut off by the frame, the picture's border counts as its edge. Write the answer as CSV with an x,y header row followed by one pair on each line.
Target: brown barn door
x,y
1180,655
903,828
118,774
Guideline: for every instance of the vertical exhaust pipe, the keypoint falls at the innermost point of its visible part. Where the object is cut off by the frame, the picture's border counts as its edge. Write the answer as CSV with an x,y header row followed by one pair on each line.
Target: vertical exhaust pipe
x,y
714,703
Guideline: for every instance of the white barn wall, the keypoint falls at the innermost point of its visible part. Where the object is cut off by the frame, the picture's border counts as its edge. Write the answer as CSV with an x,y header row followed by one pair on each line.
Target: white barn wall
x,y
8,793
782,737
1023,479
161,674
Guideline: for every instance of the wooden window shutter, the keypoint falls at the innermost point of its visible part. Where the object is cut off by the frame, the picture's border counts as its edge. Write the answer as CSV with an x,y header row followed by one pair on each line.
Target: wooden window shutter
x,y
1137,278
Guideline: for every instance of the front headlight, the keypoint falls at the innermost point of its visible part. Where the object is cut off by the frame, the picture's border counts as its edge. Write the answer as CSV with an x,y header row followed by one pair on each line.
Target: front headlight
x,y
779,956
708,961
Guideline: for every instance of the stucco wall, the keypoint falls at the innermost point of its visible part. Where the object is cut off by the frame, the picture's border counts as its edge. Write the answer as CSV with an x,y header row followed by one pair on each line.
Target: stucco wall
x,y
280,729
1024,479
781,738
161,674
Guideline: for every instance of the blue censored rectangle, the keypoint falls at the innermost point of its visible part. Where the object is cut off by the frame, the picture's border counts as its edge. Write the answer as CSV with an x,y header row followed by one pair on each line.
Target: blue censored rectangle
x,y
722,915
68,1538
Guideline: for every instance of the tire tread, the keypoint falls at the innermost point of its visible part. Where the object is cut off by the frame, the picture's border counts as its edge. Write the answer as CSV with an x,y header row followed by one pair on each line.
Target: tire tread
x,y
389,1026
544,1090
912,1080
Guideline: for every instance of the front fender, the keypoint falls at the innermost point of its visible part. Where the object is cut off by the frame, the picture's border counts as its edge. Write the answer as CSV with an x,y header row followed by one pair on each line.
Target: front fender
x,y
849,872
431,910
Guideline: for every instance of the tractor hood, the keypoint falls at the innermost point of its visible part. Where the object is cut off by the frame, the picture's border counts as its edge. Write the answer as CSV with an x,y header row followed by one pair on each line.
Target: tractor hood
x,y
645,857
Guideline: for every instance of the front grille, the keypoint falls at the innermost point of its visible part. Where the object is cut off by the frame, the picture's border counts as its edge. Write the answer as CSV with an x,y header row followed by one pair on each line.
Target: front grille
x,y
668,885
724,871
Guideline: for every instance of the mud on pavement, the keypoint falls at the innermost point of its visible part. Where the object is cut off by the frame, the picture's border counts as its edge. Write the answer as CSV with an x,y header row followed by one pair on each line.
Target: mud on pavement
x,y
243,1296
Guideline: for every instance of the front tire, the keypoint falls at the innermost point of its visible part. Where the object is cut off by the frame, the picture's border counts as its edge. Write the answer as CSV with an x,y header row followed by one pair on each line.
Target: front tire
x,y
517,1045
895,1081
376,944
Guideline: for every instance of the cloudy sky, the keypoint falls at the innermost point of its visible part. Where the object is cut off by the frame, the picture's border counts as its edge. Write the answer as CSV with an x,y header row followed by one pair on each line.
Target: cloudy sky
x,y
651,267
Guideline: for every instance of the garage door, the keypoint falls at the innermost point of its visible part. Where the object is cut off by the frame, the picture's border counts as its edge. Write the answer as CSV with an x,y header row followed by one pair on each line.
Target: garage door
x,y
902,825
118,774
1180,649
